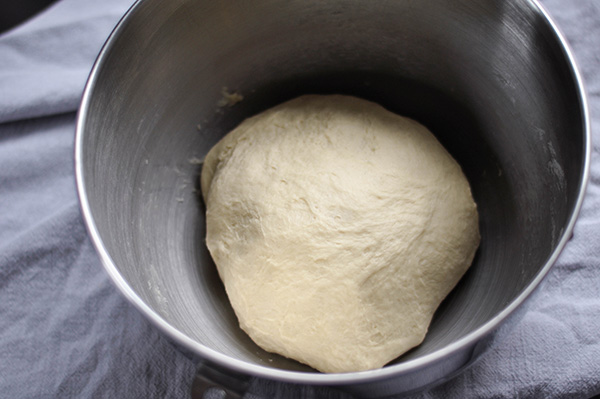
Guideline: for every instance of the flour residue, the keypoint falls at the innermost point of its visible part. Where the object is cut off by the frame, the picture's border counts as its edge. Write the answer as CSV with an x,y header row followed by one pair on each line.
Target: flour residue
x,y
555,168
229,99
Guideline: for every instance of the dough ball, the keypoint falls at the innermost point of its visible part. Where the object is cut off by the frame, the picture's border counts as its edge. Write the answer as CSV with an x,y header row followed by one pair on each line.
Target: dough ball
x,y
337,228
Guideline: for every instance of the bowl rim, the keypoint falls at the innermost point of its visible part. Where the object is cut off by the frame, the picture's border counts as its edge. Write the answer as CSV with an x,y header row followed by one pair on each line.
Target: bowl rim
x,y
317,378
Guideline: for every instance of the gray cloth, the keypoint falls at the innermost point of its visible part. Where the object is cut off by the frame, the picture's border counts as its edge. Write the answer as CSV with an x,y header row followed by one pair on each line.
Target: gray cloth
x,y
65,331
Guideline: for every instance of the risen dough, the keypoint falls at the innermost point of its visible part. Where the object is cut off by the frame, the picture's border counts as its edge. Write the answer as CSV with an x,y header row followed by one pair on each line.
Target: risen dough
x,y
337,228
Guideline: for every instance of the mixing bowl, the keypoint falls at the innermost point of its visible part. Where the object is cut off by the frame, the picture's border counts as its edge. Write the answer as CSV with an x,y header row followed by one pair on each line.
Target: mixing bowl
x,y
494,81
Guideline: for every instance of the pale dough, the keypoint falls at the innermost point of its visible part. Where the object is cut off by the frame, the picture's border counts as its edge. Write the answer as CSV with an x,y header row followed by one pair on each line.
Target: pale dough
x,y
337,228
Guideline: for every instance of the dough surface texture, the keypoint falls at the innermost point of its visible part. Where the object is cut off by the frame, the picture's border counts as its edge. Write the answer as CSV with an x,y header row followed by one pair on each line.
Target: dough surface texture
x,y
337,228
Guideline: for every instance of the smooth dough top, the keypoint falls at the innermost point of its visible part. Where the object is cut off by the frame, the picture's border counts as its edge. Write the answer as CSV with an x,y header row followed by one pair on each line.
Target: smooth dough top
x,y
337,228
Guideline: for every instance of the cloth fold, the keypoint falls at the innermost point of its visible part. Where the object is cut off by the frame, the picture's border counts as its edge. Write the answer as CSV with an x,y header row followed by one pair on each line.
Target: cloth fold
x,y
65,330
45,62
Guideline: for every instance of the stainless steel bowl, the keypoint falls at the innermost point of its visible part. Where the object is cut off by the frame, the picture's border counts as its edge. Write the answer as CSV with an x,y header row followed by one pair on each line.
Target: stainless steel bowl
x,y
494,80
